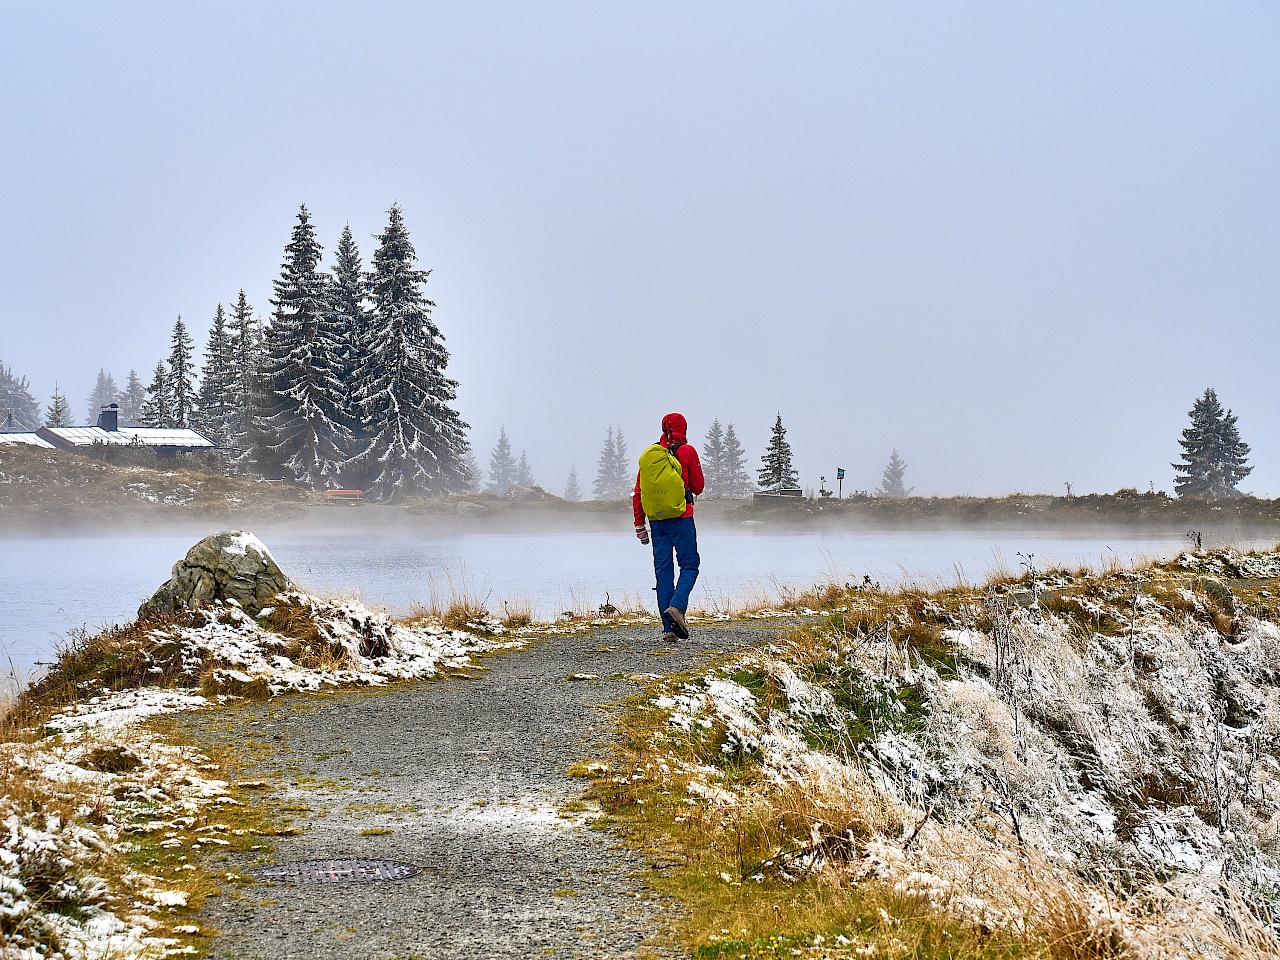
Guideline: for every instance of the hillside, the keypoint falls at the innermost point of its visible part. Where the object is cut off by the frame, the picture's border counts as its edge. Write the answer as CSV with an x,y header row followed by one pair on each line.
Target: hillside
x,y
50,488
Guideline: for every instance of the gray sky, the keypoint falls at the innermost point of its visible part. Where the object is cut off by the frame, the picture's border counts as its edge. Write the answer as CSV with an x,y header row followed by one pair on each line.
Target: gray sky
x,y
1013,240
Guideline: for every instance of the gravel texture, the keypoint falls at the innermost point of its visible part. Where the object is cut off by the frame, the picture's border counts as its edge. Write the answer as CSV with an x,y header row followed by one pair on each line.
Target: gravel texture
x,y
468,775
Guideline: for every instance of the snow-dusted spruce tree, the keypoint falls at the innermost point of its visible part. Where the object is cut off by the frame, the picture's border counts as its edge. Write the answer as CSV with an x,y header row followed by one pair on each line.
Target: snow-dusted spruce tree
x,y
776,472
893,481
414,441
349,301
502,465
158,409
605,486
299,428
737,481
572,488
132,400
17,403
104,392
524,473
58,413
624,471
217,384
475,476
246,355
181,377
713,460
1214,458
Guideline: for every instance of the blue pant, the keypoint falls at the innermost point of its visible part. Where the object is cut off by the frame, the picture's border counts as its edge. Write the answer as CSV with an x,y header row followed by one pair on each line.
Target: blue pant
x,y
678,535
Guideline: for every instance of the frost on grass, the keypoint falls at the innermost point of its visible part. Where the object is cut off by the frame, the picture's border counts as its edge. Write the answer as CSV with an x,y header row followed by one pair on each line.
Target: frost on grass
x,y
75,802
86,782
1107,742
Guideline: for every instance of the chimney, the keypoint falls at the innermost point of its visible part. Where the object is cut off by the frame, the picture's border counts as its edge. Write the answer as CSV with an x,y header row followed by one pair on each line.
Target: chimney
x,y
109,418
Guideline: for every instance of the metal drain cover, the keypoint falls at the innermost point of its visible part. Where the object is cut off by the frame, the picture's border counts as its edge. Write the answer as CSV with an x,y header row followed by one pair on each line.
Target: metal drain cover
x,y
336,871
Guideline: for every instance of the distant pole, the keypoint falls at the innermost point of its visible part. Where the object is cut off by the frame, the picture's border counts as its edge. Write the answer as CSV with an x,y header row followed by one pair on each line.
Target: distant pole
x,y
1068,489
840,482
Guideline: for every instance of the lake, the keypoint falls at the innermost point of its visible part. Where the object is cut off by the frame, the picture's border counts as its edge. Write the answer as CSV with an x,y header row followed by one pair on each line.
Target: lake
x,y
53,585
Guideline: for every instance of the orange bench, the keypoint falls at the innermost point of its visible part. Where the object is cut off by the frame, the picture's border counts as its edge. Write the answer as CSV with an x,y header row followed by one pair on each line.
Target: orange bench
x,y
344,496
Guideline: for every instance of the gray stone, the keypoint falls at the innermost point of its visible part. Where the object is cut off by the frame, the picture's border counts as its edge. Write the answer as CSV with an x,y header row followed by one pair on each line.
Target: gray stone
x,y
232,565
465,508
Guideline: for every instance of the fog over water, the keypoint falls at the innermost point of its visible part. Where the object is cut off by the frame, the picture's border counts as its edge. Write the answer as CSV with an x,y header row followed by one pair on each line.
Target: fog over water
x,y
54,585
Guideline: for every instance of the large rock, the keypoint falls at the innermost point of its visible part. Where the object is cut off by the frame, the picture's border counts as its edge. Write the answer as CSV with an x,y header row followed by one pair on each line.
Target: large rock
x,y
232,565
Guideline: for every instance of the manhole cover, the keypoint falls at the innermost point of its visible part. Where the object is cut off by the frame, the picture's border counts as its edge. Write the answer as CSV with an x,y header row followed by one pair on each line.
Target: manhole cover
x,y
336,871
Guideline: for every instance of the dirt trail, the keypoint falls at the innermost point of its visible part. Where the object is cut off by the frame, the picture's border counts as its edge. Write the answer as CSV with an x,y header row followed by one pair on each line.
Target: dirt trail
x,y
468,777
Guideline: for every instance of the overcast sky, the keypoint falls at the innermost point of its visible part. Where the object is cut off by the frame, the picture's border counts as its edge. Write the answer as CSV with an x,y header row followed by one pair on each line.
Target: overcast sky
x,y
1014,241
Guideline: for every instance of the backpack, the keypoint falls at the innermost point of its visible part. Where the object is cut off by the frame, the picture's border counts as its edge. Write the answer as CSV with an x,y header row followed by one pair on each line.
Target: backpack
x,y
662,492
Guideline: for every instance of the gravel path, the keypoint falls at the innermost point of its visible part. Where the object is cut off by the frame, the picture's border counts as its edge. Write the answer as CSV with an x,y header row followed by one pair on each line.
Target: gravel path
x,y
467,775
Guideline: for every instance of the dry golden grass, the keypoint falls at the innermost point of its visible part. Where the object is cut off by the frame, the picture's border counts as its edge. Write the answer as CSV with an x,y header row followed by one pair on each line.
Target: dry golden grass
x,y
740,863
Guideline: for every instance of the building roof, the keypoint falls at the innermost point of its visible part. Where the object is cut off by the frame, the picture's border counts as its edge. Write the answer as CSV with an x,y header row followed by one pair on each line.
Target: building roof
x,y
15,437
146,436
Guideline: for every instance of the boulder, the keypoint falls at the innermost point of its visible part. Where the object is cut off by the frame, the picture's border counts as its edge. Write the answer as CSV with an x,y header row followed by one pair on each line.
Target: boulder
x,y
232,565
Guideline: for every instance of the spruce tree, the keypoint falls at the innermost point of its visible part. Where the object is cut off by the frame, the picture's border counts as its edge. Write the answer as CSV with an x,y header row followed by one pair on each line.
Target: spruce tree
x,y
58,413
246,355
623,481
737,481
132,400
713,467
524,473
349,301
893,482
776,471
217,383
572,489
502,465
414,441
298,428
104,392
17,403
606,469
157,411
1214,458
181,377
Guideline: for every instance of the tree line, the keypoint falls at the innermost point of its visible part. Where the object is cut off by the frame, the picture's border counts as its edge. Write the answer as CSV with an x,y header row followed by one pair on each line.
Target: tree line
x,y
344,386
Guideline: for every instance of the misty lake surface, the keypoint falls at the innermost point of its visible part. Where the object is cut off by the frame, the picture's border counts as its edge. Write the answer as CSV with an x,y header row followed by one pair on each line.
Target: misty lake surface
x,y
53,585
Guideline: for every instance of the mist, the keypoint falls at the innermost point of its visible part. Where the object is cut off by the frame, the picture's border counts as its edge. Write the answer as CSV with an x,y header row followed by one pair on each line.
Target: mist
x,y
1012,243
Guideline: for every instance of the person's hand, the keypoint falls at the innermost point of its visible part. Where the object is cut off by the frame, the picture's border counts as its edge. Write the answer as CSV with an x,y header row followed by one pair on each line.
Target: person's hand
x,y
642,533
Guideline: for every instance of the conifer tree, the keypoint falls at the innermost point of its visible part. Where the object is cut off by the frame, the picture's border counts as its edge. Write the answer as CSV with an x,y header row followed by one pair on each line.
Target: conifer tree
x,y
17,403
58,413
246,354
737,481
502,465
776,471
606,469
217,384
414,441
132,401
298,428
524,473
1214,458
104,392
181,377
349,301
893,481
623,477
573,489
713,468
158,409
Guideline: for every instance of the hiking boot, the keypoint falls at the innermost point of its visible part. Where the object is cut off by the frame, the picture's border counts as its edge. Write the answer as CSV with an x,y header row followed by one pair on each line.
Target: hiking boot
x,y
668,638
678,623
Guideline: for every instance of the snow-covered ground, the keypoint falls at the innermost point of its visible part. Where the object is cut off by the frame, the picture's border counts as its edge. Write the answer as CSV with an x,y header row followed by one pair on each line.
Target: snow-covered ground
x,y
1096,735
94,781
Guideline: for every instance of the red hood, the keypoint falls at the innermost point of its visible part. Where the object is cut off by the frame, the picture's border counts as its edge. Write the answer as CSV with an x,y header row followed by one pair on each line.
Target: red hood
x,y
674,426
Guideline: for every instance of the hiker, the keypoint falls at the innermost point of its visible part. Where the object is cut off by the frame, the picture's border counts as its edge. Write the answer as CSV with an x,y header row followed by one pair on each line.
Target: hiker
x,y
670,477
